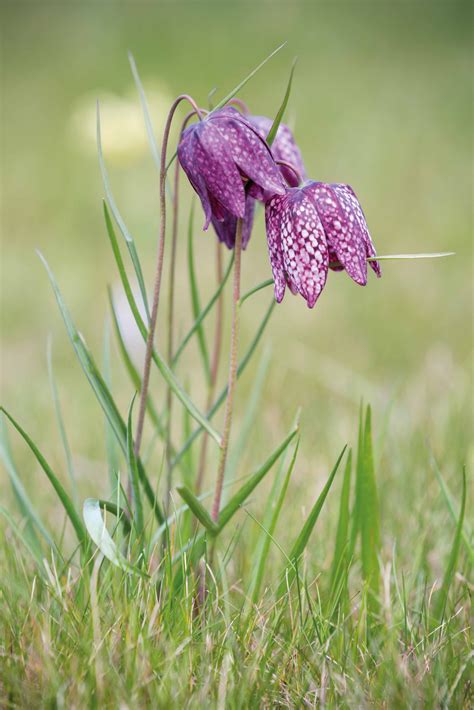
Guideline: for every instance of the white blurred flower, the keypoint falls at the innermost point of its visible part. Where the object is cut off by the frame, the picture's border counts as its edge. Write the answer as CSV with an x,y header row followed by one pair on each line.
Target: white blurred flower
x,y
124,136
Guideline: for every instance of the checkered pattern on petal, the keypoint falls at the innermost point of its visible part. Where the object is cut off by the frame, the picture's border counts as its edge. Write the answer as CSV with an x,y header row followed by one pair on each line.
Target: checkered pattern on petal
x,y
274,210
369,245
305,251
343,232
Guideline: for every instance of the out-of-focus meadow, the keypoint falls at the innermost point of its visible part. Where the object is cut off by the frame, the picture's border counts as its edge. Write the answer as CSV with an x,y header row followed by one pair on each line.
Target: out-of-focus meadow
x,y
380,100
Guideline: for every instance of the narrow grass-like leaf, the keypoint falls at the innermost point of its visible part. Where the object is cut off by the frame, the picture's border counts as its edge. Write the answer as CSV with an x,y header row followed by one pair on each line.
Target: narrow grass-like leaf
x,y
200,318
27,509
55,482
279,117
98,532
251,412
198,509
195,301
243,493
260,562
118,218
240,86
442,599
223,394
428,255
162,366
302,540
59,419
110,439
466,532
134,476
369,519
119,513
28,541
99,387
146,113
131,369
255,289
340,560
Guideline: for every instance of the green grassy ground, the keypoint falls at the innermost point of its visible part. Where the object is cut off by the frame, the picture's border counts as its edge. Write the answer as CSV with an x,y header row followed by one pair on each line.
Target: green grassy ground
x,y
380,100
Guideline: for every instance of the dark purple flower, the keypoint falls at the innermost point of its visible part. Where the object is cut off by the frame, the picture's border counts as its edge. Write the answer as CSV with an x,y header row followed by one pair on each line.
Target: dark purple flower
x,y
283,147
226,229
218,154
311,226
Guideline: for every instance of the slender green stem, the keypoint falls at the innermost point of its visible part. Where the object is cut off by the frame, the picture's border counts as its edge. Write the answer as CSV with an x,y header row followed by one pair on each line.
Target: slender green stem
x,y
234,343
247,294
214,365
159,271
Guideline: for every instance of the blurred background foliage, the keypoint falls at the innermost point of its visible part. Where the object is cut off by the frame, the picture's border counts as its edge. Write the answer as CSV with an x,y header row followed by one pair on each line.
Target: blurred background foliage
x,y
381,100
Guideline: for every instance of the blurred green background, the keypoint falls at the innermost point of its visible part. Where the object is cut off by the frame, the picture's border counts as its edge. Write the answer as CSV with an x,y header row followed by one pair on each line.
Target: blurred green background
x,y
381,100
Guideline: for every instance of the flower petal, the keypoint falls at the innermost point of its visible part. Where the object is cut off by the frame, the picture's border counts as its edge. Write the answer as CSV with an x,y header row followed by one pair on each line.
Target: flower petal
x,y
343,233
305,251
226,228
369,245
274,210
283,147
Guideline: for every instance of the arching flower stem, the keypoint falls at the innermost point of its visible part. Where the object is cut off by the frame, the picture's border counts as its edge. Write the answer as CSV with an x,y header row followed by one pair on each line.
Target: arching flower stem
x,y
232,379
159,269
292,168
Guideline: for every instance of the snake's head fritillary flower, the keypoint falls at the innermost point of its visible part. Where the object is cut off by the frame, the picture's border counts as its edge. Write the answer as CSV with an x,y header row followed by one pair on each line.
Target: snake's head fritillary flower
x,y
312,227
227,228
346,229
284,148
297,245
220,153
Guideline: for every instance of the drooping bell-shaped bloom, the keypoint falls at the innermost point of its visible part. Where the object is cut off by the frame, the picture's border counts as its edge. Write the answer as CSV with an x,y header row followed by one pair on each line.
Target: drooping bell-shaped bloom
x,y
226,229
221,152
297,245
346,229
284,148
311,226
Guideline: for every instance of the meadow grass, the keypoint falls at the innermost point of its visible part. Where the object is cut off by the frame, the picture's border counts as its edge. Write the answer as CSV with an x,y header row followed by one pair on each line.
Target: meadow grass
x,y
339,572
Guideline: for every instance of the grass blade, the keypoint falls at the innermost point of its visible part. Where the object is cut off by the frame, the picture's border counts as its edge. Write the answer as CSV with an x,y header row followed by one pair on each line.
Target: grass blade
x,y
369,515
223,394
395,257
146,113
26,507
99,387
260,562
204,312
240,86
133,475
162,366
243,493
341,559
28,541
440,607
59,419
55,482
98,532
279,117
196,306
118,218
198,509
302,540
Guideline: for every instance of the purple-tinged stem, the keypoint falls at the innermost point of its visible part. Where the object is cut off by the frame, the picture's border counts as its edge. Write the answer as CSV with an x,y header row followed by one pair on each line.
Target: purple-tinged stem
x,y
159,270
214,366
170,344
234,343
240,104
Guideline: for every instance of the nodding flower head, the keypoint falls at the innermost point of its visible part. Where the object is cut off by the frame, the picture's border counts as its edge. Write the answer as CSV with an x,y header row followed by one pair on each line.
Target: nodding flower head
x,y
221,152
284,148
312,228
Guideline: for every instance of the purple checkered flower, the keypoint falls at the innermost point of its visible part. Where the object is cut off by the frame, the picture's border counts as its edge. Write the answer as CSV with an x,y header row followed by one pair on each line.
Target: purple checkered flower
x,y
226,229
284,147
311,226
221,152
